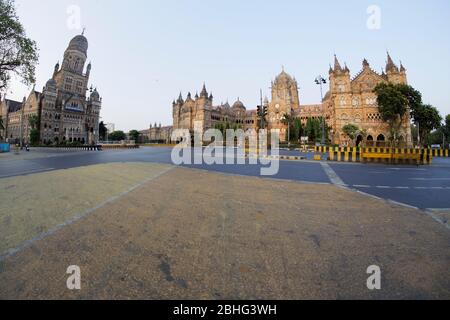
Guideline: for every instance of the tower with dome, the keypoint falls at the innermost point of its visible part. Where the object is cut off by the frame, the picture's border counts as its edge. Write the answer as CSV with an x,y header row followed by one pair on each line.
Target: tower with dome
x,y
68,109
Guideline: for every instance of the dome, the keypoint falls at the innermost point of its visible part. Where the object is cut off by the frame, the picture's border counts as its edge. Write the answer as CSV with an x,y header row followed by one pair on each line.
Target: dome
x,y
79,43
238,105
283,77
51,83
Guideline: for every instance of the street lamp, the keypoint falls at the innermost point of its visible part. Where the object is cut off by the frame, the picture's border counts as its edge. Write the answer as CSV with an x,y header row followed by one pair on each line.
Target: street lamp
x,y
321,81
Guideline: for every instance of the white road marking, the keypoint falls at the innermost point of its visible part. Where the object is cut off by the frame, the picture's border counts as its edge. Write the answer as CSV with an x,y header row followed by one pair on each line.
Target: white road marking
x,y
383,187
430,179
402,188
361,186
332,175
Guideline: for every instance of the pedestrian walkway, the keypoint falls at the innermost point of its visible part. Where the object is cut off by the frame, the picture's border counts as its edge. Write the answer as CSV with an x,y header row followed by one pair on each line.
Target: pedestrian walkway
x,y
191,234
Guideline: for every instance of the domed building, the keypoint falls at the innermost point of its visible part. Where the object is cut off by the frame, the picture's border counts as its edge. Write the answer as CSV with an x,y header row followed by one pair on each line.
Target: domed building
x,y
348,101
65,112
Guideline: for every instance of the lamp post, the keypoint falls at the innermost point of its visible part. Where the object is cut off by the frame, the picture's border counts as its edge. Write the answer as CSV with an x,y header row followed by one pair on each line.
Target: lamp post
x,y
321,81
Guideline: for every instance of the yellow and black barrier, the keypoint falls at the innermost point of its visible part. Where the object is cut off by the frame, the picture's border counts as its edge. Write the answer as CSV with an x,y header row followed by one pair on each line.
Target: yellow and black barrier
x,y
381,155
436,153
440,153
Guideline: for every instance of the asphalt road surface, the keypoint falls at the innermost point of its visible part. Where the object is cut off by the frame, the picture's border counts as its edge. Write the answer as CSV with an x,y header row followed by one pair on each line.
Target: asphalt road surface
x,y
426,187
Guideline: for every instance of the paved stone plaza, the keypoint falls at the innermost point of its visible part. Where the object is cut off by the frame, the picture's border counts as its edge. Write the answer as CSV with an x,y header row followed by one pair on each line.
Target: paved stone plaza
x,y
154,231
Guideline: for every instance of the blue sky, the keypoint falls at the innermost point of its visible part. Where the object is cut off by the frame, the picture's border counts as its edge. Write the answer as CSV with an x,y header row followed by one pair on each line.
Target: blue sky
x,y
145,52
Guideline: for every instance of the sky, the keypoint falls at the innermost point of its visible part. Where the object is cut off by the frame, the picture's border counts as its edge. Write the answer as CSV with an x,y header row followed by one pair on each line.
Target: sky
x,y
144,52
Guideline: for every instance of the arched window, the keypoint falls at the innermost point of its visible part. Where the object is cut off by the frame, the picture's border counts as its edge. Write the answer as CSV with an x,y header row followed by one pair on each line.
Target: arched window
x,y
369,138
381,138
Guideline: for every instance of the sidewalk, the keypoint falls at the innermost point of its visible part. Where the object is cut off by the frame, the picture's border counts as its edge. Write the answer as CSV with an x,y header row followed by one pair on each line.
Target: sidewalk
x,y
191,234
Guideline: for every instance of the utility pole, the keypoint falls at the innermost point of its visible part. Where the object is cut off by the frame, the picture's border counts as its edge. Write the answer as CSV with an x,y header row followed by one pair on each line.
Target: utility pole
x,y
321,81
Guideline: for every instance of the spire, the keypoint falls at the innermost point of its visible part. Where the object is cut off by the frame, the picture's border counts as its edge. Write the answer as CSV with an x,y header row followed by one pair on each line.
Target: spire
x,y
390,65
211,96
180,99
402,68
196,95
365,63
337,65
346,69
189,97
204,93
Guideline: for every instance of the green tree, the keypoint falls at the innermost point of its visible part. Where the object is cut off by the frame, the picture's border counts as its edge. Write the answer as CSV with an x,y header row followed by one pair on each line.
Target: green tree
x,y
446,129
313,129
297,129
288,120
102,130
134,135
351,131
117,136
429,120
33,121
34,136
18,54
393,106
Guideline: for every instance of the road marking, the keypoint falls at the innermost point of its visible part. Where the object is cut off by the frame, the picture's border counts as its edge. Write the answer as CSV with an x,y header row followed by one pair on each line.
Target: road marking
x,y
402,188
26,173
361,186
430,179
26,244
332,175
383,187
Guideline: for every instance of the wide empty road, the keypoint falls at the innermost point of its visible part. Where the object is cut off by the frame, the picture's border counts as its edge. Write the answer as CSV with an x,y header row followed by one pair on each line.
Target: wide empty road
x,y
426,187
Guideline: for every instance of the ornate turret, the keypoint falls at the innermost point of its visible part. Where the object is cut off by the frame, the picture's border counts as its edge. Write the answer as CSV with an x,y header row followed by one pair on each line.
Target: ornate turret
x,y
180,99
204,93
366,64
390,65
337,65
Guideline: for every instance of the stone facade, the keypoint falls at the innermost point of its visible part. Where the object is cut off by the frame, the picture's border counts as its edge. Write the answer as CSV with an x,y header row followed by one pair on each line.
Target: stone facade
x,y
348,101
156,134
64,111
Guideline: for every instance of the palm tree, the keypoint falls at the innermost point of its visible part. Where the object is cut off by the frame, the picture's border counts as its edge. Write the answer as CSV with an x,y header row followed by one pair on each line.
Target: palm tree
x,y
287,120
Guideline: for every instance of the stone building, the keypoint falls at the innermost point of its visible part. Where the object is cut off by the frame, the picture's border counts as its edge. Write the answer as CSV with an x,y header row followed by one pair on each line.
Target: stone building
x,y
348,101
64,111
156,134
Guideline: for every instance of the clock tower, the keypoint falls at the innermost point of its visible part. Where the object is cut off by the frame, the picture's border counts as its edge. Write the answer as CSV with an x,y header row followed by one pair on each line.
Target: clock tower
x,y
285,100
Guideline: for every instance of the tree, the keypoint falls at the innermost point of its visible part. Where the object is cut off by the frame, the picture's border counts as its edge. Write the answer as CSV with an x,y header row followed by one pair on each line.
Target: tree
x,y
18,54
446,128
33,120
2,127
134,135
313,129
351,131
429,119
102,130
393,106
117,136
34,136
288,121
298,129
